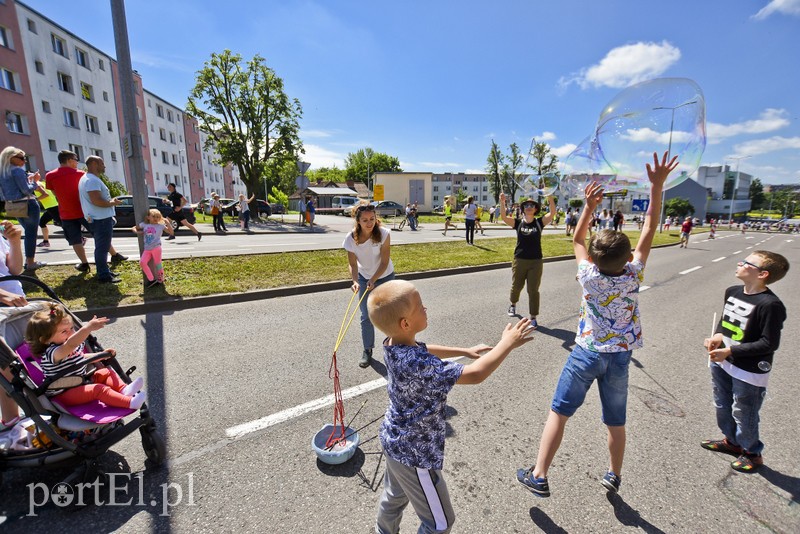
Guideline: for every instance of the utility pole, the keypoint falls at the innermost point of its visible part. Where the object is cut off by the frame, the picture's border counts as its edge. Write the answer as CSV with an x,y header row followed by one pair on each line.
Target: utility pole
x,y
132,142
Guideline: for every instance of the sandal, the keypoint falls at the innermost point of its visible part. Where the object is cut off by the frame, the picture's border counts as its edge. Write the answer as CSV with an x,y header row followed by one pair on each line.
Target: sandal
x,y
747,463
723,446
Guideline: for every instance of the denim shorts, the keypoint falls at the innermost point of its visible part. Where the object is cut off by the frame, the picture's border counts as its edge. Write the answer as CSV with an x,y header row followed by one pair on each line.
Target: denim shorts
x,y
583,367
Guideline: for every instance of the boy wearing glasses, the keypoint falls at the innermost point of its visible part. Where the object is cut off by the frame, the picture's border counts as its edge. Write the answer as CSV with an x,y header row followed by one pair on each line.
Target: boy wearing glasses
x,y
741,352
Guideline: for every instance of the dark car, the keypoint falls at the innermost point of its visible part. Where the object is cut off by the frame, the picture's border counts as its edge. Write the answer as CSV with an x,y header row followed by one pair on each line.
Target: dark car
x,y
277,209
126,218
232,208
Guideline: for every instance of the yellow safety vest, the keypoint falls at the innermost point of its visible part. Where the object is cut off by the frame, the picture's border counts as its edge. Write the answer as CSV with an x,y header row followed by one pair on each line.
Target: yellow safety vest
x,y
49,201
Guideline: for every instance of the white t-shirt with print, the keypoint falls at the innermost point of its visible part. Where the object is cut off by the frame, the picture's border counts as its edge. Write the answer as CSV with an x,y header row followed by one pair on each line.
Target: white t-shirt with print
x,y
609,315
368,254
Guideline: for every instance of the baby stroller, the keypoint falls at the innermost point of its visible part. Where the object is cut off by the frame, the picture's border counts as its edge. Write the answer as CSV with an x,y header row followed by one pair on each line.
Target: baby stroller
x,y
63,435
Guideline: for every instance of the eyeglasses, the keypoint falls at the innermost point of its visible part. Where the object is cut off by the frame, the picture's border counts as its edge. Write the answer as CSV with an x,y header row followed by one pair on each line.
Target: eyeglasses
x,y
528,205
745,262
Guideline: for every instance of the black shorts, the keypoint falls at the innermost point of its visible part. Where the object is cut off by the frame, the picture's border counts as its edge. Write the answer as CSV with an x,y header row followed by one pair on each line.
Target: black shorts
x,y
177,216
72,230
49,214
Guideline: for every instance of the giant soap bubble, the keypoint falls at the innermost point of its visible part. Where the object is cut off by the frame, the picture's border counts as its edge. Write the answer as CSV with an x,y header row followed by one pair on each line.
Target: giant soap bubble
x,y
665,114
585,164
538,185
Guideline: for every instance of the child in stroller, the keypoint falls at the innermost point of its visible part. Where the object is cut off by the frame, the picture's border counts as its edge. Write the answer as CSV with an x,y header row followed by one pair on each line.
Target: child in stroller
x,y
51,336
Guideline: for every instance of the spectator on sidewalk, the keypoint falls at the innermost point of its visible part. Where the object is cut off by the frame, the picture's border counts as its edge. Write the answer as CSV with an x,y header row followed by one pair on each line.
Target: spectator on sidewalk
x,y
178,203
244,211
49,206
98,206
217,215
11,294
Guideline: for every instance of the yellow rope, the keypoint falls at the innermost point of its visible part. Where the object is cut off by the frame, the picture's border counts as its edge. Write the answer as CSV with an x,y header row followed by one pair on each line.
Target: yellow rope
x,y
343,329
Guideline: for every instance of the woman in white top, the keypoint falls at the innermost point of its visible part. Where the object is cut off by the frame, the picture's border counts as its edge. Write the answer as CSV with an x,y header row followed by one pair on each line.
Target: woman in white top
x,y
244,211
367,249
470,210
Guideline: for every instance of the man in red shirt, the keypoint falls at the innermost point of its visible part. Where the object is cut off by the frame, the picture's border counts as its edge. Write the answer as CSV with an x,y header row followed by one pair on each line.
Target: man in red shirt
x,y
63,182
686,229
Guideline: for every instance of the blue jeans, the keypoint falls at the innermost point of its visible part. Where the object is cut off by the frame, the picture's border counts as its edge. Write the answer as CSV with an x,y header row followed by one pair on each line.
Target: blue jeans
x,y
245,216
102,230
31,226
737,404
367,330
583,367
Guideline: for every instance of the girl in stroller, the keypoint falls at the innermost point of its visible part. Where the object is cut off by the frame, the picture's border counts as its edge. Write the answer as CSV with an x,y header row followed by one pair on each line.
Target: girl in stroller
x,y
51,333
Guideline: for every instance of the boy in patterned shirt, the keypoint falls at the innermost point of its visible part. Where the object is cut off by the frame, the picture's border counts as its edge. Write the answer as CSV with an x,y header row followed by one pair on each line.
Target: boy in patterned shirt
x,y
413,430
608,330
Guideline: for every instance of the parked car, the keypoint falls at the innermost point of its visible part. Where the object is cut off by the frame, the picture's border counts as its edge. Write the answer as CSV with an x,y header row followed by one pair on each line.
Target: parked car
x,y
232,208
389,208
126,218
344,204
277,209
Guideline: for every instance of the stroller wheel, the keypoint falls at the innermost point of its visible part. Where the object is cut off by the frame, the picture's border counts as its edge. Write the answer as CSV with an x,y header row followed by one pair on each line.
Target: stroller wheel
x,y
154,446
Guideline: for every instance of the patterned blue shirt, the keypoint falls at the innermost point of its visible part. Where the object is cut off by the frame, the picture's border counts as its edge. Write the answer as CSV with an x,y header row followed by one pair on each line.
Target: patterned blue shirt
x,y
413,429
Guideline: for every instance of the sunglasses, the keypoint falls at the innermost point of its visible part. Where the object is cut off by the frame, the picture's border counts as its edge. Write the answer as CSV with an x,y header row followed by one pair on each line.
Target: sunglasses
x,y
365,208
23,157
745,262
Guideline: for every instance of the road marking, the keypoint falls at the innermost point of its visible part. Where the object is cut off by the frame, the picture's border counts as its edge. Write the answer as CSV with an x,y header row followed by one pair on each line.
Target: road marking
x,y
789,240
748,248
718,259
687,271
737,252
265,422
643,288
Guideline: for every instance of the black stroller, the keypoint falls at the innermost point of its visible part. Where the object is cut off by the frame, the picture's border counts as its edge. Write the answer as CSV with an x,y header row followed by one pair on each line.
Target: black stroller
x,y
62,435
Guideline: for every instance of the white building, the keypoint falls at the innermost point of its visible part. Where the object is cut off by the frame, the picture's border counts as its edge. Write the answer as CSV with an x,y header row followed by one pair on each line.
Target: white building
x,y
72,88
721,182
165,138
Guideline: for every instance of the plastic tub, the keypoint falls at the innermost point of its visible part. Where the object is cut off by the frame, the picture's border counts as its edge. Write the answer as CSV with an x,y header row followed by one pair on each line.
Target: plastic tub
x,y
340,452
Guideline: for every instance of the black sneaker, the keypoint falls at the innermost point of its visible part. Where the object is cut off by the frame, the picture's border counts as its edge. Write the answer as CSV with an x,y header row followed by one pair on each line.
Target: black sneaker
x,y
611,481
171,237
118,258
366,359
199,236
82,267
537,486
110,280
512,311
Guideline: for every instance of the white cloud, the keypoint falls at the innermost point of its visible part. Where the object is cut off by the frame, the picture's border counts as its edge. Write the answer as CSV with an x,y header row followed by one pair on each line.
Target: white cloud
x,y
564,150
787,7
314,134
626,65
648,135
441,165
544,137
762,146
771,119
318,157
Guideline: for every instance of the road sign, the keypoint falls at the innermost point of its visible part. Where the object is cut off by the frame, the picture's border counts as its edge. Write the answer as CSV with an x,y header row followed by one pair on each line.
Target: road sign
x,y
302,167
378,192
301,182
640,204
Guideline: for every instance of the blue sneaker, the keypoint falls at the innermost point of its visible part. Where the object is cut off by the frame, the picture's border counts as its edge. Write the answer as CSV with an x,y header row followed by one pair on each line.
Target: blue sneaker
x,y
537,486
611,481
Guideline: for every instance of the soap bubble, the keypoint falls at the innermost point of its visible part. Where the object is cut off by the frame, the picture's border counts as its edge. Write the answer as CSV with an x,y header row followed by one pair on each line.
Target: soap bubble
x,y
584,165
538,185
665,114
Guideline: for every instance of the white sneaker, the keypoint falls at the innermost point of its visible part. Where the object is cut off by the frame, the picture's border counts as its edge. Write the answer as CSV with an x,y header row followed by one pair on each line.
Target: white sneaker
x,y
133,388
512,311
138,400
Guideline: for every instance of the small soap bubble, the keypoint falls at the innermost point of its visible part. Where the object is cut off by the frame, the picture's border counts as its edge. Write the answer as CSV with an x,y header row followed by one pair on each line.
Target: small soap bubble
x,y
764,366
534,186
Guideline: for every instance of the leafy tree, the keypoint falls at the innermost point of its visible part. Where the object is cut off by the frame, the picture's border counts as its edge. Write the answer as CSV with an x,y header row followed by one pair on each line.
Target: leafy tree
x,y
575,203
493,163
543,160
678,207
512,165
757,197
327,174
280,173
248,117
360,165
279,197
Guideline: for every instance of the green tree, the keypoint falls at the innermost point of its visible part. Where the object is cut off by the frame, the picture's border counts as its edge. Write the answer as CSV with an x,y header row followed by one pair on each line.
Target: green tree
x,y
542,159
327,174
575,203
512,167
280,173
758,199
279,197
493,164
678,207
363,163
249,119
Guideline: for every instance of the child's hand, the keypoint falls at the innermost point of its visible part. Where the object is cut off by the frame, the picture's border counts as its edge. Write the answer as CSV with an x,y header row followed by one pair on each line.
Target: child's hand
x,y
476,351
594,195
713,342
718,355
96,323
111,353
518,334
11,231
659,172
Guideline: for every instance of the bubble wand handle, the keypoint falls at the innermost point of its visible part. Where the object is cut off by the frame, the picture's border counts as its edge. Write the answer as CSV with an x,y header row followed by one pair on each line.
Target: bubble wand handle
x,y
713,327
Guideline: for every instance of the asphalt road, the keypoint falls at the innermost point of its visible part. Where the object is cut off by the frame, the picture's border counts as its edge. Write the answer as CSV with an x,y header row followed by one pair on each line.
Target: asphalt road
x,y
231,388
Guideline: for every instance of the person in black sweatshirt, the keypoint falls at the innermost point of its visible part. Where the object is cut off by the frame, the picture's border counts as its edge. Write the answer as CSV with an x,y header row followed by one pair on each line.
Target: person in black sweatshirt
x,y
740,354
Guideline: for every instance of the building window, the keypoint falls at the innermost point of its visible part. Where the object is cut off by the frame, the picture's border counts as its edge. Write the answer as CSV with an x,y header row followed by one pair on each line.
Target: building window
x,y
78,149
105,96
198,165
164,157
91,124
96,152
197,147
64,82
70,118
160,110
31,26
172,138
87,92
169,115
149,103
162,134
15,122
135,87
102,65
59,45
8,80
113,156
52,144
155,153
174,159
46,106
435,187
109,126
81,57
5,38
39,66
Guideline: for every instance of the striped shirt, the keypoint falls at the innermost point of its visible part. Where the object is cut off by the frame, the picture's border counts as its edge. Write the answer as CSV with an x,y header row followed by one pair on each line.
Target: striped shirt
x,y
51,368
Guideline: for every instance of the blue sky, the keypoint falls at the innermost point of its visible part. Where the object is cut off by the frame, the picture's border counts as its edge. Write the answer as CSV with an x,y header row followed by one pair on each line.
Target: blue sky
x,y
432,82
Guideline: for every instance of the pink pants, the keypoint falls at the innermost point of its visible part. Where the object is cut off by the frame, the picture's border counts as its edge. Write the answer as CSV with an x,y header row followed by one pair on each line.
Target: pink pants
x,y
155,255
106,388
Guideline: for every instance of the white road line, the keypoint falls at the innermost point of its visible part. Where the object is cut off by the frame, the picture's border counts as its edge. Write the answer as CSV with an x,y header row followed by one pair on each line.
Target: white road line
x,y
789,240
748,248
643,288
285,415
687,271
718,259
737,252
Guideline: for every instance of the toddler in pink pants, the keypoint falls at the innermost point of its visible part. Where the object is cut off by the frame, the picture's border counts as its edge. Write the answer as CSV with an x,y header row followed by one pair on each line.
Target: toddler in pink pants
x,y
152,228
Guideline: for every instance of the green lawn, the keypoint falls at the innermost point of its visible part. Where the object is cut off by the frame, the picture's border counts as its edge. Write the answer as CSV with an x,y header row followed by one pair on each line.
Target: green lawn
x,y
195,277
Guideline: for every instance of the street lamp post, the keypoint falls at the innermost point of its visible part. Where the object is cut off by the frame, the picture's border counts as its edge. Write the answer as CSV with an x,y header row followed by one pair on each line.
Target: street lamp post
x,y
182,180
735,186
669,153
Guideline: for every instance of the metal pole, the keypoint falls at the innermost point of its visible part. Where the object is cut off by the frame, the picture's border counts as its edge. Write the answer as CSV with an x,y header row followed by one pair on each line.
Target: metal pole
x,y
736,185
669,153
180,162
129,114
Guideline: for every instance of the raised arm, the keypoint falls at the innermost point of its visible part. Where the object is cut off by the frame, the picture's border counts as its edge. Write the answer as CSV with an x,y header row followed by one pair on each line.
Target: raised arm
x,y
504,212
594,194
657,176
551,213
79,337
